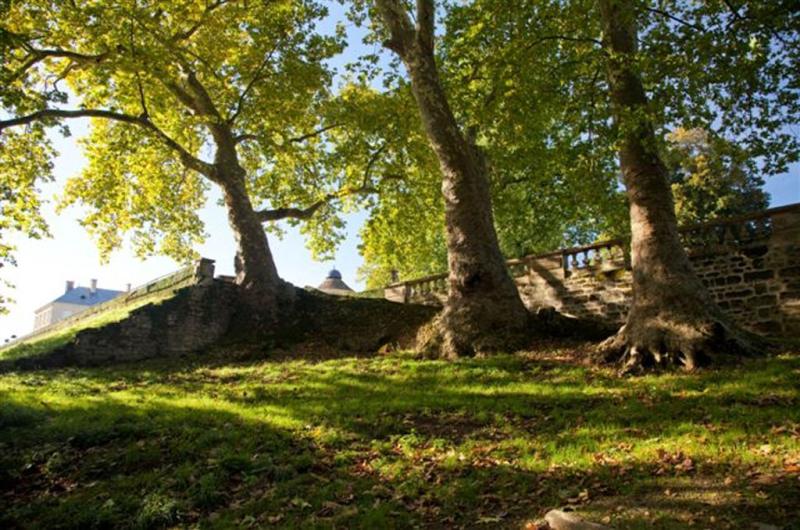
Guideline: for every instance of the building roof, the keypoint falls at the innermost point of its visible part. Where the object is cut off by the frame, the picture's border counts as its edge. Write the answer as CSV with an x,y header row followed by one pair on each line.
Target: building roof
x,y
84,296
333,284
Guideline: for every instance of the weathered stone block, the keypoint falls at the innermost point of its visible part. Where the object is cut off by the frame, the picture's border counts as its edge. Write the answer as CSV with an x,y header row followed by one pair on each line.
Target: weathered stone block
x,y
789,272
758,275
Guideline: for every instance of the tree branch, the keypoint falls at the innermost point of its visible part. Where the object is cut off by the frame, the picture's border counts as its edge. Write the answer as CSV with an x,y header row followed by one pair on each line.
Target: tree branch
x,y
187,34
676,19
307,136
306,213
37,55
243,96
182,95
426,16
371,162
294,213
295,140
738,16
570,38
398,23
188,159
219,127
204,104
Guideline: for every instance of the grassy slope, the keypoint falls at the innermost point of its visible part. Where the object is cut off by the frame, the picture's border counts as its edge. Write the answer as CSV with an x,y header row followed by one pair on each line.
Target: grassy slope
x,y
49,341
397,442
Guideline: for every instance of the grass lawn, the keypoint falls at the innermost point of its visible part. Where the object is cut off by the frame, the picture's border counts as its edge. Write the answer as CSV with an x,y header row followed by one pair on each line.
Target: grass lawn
x,y
397,442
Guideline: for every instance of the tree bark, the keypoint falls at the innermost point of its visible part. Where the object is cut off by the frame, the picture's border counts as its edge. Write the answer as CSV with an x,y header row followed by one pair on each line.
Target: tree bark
x,y
254,266
256,273
483,311
672,320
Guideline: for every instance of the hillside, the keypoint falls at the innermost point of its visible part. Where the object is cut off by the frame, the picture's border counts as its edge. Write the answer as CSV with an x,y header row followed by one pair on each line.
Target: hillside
x,y
395,441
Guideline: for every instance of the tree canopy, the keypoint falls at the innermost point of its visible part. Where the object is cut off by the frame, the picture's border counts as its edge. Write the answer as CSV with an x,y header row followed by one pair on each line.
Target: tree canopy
x,y
524,78
172,90
527,77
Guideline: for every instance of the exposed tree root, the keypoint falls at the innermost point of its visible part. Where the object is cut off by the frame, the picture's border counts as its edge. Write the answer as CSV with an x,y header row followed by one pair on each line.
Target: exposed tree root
x,y
659,343
435,340
466,329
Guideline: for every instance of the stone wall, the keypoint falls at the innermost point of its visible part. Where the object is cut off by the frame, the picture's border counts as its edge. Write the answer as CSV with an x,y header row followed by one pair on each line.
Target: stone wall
x,y
203,315
200,271
750,264
195,318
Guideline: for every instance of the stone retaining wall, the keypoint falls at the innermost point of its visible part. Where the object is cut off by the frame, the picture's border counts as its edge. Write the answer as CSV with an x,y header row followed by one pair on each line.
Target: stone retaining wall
x,y
750,264
195,318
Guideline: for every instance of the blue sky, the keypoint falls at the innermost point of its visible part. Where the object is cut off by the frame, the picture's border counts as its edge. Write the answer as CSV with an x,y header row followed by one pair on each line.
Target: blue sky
x,y
45,265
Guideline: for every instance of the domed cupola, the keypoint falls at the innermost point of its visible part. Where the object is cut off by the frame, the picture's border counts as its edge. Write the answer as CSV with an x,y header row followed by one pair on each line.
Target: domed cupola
x,y
333,284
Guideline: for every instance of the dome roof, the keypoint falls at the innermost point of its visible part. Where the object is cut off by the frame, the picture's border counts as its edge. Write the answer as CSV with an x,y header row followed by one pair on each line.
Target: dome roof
x,y
333,284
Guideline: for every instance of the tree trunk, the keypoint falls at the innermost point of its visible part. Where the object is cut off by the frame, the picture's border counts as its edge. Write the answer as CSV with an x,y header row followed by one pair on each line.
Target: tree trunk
x,y
672,320
256,273
483,311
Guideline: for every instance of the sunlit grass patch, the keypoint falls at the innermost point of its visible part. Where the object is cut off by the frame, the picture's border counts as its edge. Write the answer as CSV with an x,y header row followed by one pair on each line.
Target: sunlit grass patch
x,y
397,442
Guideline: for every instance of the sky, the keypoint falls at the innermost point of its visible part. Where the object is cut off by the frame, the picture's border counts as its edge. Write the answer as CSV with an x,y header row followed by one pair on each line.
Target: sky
x,y
43,266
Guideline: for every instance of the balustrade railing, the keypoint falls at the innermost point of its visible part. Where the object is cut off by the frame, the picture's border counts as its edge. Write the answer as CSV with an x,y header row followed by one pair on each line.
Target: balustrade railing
x,y
605,255
613,255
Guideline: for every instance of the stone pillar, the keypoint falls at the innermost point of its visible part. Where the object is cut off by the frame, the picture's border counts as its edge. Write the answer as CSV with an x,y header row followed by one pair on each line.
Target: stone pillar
x,y
204,271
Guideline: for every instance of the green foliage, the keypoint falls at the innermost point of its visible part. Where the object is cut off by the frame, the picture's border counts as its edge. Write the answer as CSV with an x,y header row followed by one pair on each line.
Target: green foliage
x,y
548,188
525,78
711,178
24,164
533,101
262,77
397,442
729,69
134,185
528,79
380,147
371,149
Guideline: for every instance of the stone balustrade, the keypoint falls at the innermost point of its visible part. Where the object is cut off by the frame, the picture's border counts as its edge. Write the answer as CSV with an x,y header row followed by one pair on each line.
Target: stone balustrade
x,y
749,263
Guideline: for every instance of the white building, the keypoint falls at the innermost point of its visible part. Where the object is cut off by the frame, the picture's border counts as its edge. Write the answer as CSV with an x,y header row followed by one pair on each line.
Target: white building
x,y
74,300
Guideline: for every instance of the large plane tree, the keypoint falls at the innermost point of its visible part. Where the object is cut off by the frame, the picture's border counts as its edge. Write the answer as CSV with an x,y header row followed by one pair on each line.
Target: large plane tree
x,y
483,310
672,319
613,86
181,96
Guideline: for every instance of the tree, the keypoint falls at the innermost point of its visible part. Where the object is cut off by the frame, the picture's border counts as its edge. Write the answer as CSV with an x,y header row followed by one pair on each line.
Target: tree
x,y
672,319
542,67
711,177
483,307
551,179
244,83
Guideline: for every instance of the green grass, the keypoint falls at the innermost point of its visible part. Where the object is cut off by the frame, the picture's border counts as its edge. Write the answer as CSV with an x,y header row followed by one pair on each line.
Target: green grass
x,y
48,341
395,442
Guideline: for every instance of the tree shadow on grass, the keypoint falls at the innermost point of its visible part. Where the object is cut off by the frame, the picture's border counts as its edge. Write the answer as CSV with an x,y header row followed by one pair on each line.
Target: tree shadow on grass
x,y
111,464
390,443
